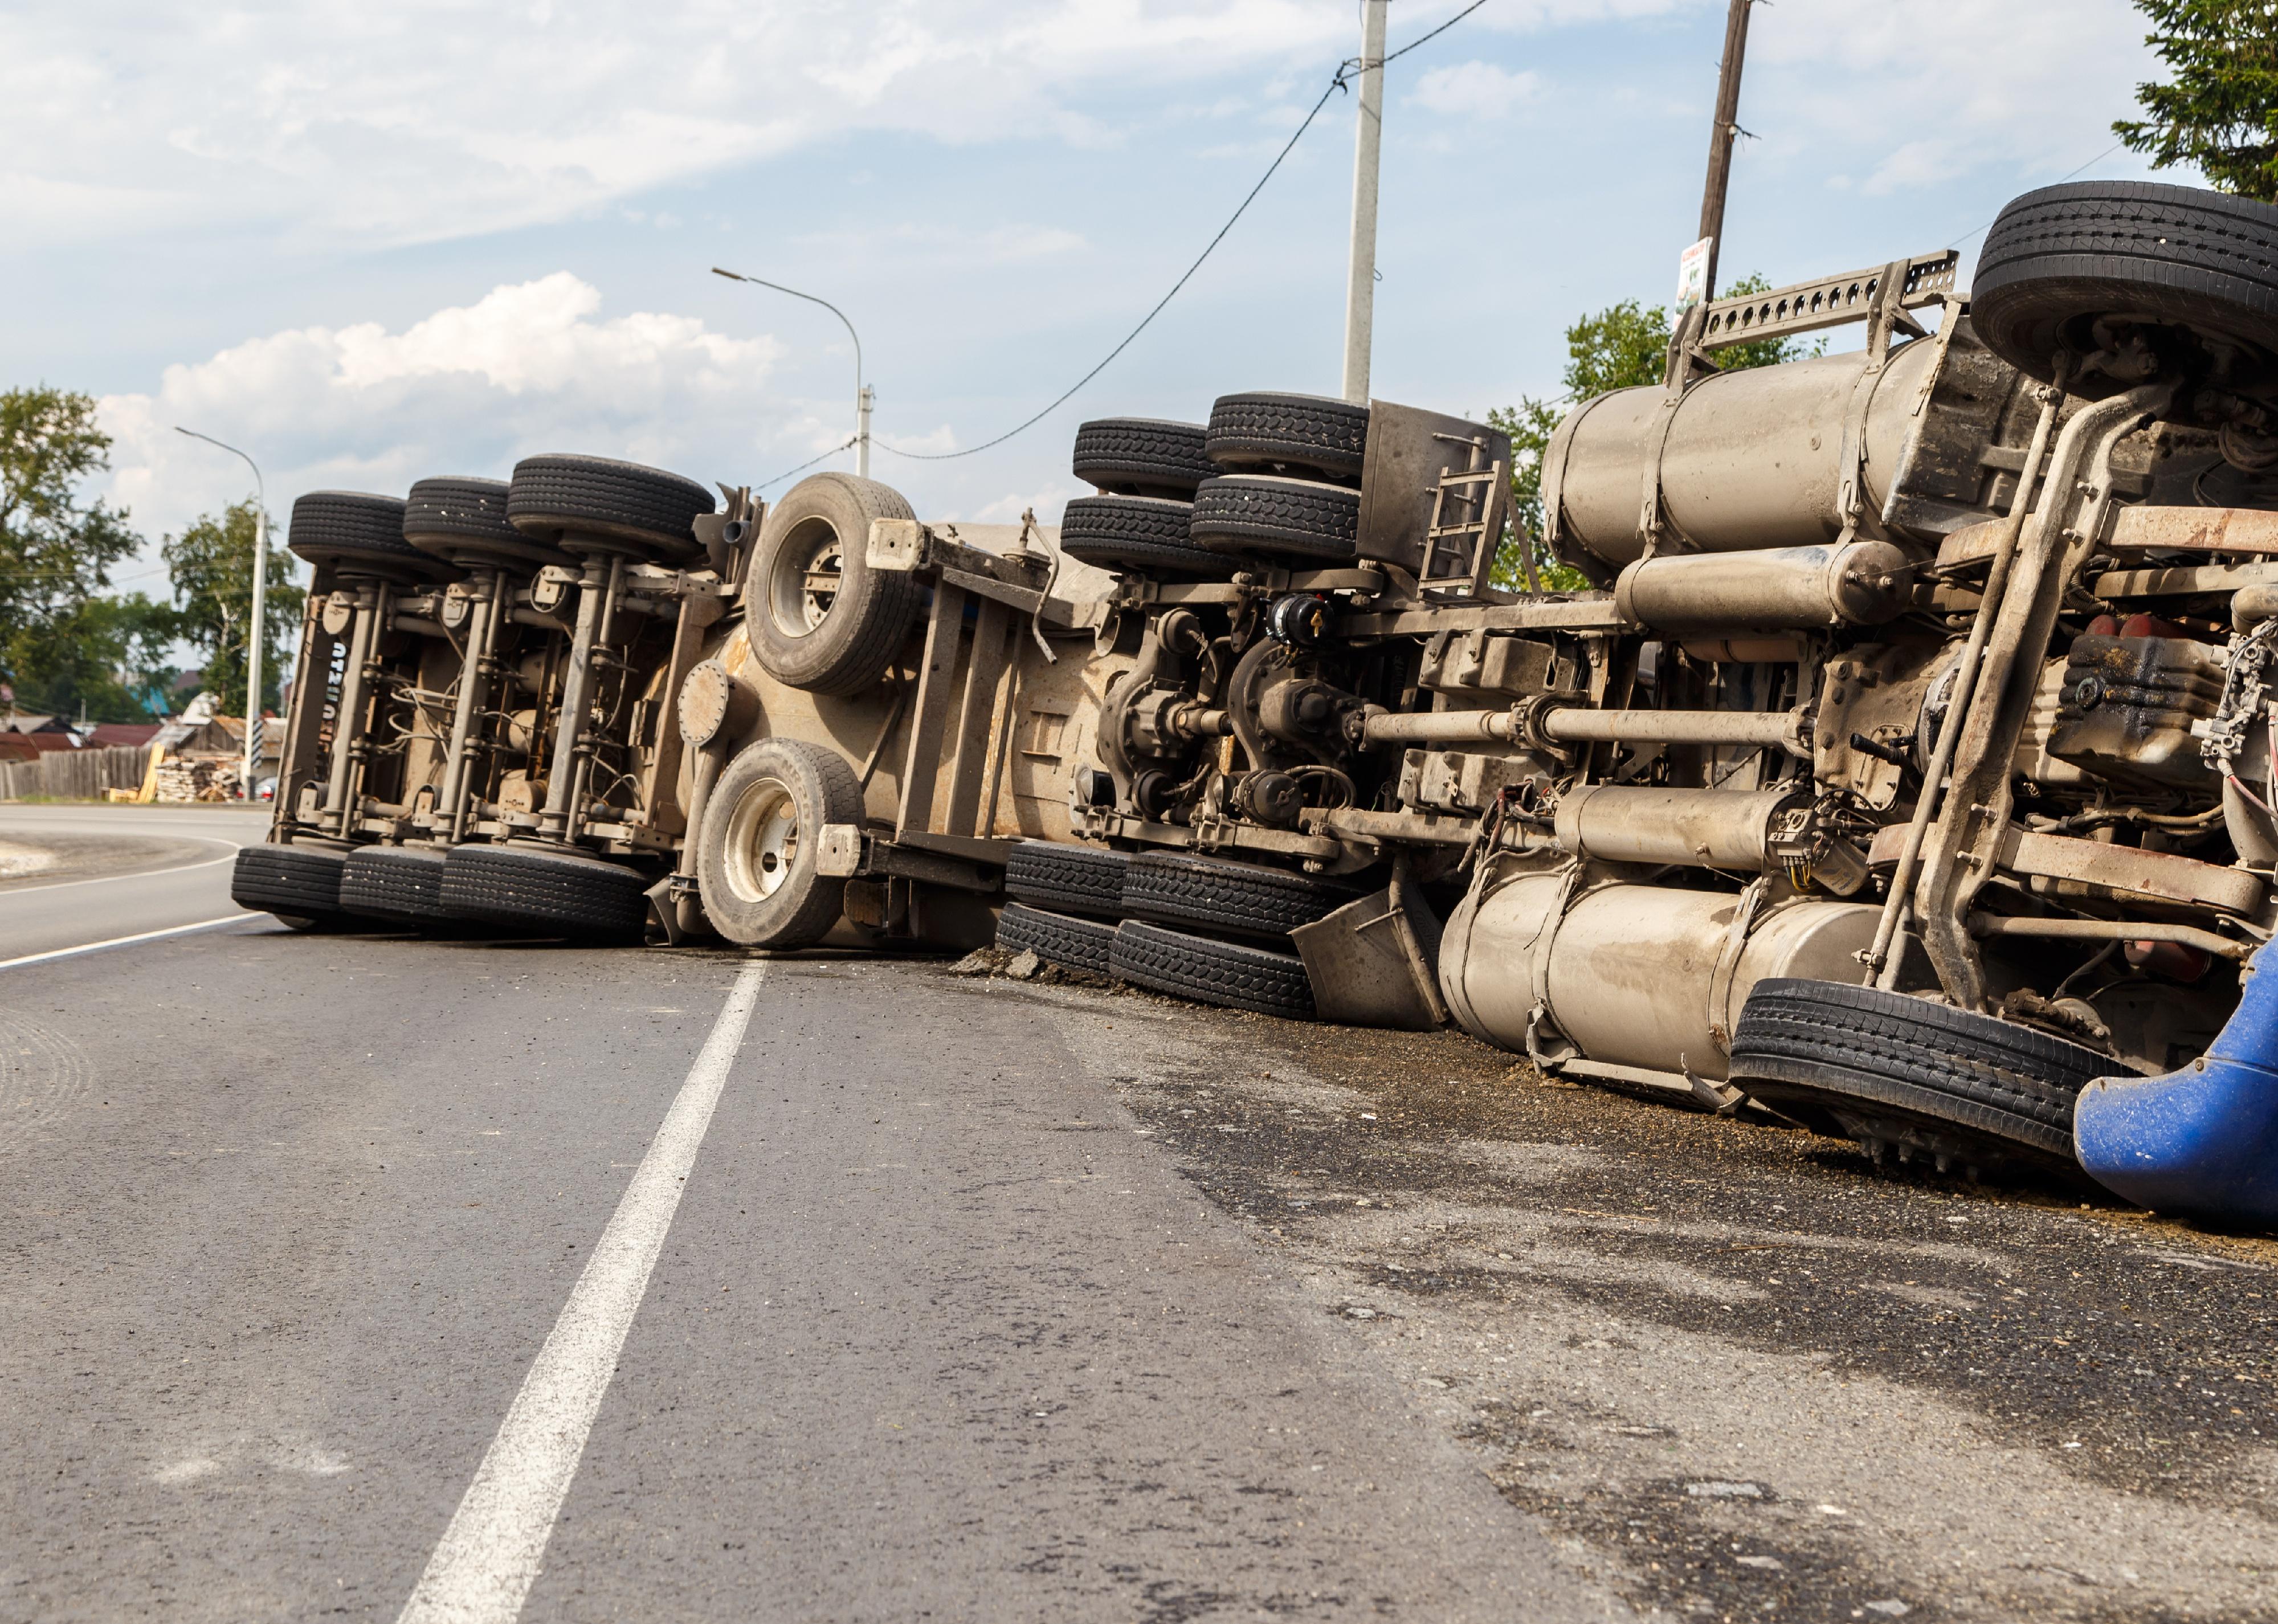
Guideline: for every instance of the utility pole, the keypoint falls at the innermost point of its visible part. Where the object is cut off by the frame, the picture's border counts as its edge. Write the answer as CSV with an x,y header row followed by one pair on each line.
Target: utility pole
x,y
1360,285
862,403
1721,136
249,788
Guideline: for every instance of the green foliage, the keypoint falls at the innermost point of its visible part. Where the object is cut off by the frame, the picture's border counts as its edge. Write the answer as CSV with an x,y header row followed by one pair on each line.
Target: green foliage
x,y
56,550
212,564
106,660
1622,347
2218,113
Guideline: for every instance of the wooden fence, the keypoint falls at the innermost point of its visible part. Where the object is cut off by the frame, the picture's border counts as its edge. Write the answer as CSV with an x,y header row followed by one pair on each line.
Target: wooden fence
x,y
75,775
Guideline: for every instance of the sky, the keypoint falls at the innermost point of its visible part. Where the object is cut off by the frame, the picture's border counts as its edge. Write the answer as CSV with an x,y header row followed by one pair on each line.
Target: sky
x,y
369,243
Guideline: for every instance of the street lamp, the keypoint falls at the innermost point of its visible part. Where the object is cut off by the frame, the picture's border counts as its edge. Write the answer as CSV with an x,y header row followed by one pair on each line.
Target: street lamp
x,y
861,389
259,631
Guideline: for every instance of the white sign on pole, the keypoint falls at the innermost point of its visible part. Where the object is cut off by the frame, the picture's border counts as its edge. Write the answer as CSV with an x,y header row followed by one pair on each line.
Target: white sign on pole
x,y
1693,275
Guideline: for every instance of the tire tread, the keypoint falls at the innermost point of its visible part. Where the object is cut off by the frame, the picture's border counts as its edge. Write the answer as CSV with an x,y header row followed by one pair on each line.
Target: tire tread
x,y
1233,975
1057,939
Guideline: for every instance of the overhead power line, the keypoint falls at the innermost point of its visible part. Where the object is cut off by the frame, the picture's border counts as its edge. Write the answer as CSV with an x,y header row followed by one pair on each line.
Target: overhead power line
x,y
1337,81
2060,180
810,462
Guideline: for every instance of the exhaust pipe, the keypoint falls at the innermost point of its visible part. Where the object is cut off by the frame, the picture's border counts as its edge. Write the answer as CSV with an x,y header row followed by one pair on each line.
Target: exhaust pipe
x,y
1576,724
1707,829
1787,589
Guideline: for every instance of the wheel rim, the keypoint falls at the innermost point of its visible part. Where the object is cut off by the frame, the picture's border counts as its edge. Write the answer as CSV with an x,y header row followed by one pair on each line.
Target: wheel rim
x,y
762,844
809,571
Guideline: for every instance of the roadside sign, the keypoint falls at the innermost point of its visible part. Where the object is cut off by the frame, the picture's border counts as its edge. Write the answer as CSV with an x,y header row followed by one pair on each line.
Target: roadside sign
x,y
1693,274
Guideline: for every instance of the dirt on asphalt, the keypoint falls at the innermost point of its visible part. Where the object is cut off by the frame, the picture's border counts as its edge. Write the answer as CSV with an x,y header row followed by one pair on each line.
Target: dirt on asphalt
x,y
40,857
1740,1370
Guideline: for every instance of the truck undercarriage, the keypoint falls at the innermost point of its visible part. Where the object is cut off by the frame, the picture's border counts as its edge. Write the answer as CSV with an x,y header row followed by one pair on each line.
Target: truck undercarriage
x,y
1906,767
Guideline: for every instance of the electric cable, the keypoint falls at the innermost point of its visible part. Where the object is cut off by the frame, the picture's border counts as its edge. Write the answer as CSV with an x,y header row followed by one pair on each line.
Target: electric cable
x,y
1337,81
810,462
2060,180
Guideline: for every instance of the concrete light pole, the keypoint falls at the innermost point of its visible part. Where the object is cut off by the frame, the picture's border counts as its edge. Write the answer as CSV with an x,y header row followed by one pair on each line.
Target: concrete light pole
x,y
1360,284
862,393
258,634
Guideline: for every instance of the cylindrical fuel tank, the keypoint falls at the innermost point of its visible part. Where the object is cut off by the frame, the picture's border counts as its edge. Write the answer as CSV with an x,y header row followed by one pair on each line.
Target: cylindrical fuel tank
x,y
1752,459
1628,974
1782,589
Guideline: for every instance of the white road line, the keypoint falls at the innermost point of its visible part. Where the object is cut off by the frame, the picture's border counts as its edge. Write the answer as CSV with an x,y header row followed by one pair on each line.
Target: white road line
x,y
112,879
121,941
489,1556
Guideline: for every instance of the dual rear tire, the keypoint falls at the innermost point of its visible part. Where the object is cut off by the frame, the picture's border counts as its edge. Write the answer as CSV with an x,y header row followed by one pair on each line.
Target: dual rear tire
x,y
1113,914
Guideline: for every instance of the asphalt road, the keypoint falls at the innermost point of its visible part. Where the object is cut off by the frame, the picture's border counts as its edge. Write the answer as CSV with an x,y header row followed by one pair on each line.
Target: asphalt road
x,y
71,874
982,1299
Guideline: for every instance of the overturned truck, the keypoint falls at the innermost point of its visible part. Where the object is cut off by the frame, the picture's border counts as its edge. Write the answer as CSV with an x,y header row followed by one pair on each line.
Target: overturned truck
x,y
1906,766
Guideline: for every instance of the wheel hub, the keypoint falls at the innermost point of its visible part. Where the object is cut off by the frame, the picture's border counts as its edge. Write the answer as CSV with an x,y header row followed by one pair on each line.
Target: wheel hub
x,y
808,576
762,843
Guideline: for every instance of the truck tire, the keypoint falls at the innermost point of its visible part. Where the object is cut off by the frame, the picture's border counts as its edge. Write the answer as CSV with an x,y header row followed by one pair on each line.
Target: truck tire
x,y
401,884
536,891
1285,518
1210,972
300,884
352,527
756,859
1300,433
1068,879
2058,259
1057,939
1146,533
557,495
1241,899
1901,1074
464,520
821,619
1143,457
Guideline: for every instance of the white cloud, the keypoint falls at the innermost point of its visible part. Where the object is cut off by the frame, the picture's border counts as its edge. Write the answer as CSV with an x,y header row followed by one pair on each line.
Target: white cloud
x,y
1473,90
1917,96
341,123
338,122
530,367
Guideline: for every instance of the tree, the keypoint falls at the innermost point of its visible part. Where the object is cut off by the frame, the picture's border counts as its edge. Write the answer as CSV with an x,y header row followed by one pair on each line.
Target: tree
x,y
212,567
106,660
1622,347
56,550
2220,112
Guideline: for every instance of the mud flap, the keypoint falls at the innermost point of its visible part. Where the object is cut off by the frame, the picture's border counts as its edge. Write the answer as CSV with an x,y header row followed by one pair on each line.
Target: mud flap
x,y
2202,1139
675,915
1376,961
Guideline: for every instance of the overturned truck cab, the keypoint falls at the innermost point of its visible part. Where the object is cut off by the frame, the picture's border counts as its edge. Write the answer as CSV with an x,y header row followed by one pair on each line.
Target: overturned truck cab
x,y
1985,881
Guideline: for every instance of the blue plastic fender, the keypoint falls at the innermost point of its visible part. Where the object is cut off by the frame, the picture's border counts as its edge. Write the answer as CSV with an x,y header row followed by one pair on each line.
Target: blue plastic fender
x,y
2202,1139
